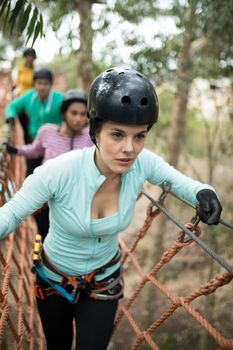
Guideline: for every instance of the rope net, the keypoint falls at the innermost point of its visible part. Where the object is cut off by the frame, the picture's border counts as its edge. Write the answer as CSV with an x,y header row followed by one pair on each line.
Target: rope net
x,y
19,320
20,327
146,335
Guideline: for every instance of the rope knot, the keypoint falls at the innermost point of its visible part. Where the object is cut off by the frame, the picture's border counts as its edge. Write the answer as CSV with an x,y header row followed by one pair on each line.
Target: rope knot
x,y
180,238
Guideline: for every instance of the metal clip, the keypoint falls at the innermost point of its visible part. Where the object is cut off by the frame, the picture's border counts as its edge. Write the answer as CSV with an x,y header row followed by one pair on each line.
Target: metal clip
x,y
75,294
36,255
166,186
195,221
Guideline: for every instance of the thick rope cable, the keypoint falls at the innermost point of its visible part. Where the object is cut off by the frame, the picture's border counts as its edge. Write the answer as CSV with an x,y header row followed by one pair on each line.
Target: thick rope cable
x,y
202,244
221,221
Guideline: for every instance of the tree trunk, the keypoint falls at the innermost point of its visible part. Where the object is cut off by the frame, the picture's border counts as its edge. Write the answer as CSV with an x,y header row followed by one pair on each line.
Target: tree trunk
x,y
85,73
178,119
184,80
176,137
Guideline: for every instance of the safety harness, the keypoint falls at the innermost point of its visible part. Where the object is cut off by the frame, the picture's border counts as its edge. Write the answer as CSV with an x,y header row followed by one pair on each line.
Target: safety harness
x,y
71,286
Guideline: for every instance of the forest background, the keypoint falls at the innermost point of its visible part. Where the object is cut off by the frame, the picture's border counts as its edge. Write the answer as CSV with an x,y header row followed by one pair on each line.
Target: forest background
x,y
185,47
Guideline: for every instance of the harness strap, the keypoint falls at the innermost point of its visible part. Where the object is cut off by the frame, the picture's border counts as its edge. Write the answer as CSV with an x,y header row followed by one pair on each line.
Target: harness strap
x,y
74,280
86,282
43,293
113,287
99,296
106,285
37,268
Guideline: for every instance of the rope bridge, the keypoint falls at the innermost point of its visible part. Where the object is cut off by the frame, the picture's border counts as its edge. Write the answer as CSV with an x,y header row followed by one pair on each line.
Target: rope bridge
x,y
175,301
19,320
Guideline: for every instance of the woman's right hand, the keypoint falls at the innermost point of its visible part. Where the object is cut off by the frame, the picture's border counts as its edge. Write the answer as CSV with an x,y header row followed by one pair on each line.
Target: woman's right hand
x,y
10,149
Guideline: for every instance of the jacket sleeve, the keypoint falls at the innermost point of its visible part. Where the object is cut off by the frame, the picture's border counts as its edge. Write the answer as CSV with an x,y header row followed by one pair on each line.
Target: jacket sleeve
x,y
35,149
15,107
158,172
37,189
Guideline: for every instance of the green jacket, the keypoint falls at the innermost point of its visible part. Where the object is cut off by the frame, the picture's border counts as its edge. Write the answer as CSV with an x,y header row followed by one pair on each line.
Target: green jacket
x,y
38,113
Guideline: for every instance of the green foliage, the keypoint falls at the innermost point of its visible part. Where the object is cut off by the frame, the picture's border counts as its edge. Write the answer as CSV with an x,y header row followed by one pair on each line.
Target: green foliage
x,y
195,134
21,17
160,62
158,135
134,11
197,20
59,9
68,66
169,343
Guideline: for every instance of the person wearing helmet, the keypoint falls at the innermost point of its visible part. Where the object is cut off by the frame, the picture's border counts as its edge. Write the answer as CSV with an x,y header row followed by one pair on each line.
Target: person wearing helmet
x,y
53,140
92,195
41,104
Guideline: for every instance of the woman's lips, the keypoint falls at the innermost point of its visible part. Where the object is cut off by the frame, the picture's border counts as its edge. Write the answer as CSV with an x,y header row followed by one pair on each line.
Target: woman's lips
x,y
124,160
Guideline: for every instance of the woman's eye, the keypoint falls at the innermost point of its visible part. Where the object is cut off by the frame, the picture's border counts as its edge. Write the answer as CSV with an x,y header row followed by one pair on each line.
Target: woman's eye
x,y
116,135
140,136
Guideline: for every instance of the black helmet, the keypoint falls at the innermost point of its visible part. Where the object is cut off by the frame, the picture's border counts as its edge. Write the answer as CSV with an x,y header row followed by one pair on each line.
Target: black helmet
x,y
123,95
29,51
73,95
43,73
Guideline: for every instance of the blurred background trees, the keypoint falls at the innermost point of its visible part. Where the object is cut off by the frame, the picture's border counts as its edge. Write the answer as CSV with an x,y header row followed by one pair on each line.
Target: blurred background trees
x,y
184,46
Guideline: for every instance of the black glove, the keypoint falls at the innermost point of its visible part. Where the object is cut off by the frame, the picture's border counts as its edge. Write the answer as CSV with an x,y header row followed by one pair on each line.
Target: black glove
x,y
210,209
10,149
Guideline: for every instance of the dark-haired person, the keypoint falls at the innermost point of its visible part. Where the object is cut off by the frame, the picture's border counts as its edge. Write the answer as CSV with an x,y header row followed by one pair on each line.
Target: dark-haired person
x,y
53,140
24,74
92,194
42,105
24,82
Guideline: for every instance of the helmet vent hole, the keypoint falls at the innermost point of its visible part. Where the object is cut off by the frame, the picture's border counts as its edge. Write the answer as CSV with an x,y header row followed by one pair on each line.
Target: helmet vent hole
x,y
121,73
109,70
126,100
139,75
144,101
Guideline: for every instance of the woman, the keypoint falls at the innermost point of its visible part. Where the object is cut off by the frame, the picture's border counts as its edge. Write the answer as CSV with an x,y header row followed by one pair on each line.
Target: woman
x,y
92,194
53,140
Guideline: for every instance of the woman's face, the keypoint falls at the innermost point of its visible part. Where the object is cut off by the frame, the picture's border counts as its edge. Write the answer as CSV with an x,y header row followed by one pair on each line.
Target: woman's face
x,y
76,116
118,146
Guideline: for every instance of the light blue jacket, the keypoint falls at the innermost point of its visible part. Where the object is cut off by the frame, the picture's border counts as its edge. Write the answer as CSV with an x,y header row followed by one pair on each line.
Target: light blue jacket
x,y
76,244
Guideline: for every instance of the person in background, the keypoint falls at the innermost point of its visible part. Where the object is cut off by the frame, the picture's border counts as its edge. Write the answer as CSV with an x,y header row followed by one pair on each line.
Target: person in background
x,y
53,140
92,195
23,82
42,104
24,77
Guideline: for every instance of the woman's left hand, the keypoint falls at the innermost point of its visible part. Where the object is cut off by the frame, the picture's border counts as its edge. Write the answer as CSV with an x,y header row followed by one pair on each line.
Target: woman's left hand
x,y
209,209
